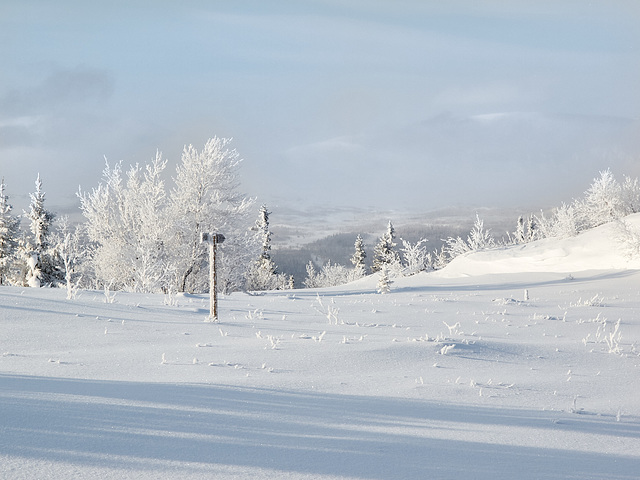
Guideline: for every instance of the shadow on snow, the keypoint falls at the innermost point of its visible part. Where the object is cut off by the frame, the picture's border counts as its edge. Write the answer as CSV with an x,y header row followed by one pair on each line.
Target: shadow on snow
x,y
136,425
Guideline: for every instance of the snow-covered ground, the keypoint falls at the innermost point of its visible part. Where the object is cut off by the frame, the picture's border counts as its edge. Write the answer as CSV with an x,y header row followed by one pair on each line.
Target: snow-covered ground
x,y
519,363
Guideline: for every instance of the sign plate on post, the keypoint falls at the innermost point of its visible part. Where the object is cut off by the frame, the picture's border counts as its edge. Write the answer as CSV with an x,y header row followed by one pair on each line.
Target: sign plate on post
x,y
206,237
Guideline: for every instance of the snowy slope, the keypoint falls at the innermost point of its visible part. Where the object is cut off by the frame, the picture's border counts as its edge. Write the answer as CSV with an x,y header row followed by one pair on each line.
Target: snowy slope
x,y
596,249
507,364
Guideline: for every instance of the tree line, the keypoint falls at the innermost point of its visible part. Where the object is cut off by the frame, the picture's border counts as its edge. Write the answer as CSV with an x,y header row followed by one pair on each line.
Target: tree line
x,y
606,200
140,235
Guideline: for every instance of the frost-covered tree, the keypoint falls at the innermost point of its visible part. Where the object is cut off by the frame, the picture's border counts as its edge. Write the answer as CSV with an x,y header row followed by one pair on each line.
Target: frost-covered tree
x,y
149,241
236,255
602,202
606,200
384,281
456,246
312,276
519,234
631,195
628,238
440,258
263,273
330,275
8,234
526,230
72,250
479,238
206,199
40,219
384,253
359,255
44,267
416,258
564,222
127,222
263,232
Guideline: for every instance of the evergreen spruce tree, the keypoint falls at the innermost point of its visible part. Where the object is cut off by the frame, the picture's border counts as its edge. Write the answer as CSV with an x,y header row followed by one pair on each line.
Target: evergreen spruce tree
x,y
71,248
263,274
42,260
40,219
384,253
359,256
384,282
532,229
519,234
262,227
525,230
8,234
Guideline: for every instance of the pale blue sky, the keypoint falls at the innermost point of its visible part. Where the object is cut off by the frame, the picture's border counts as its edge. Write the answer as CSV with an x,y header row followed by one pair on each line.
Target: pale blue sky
x,y
401,104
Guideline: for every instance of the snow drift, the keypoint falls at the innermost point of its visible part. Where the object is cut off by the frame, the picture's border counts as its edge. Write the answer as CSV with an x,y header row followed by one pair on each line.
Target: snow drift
x,y
600,248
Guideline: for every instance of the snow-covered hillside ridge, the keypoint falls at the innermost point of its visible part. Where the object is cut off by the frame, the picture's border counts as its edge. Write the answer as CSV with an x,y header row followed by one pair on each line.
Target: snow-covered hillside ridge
x,y
609,246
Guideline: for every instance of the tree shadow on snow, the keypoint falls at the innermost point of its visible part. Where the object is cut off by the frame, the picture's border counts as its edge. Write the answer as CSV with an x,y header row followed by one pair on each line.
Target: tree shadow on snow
x,y
113,425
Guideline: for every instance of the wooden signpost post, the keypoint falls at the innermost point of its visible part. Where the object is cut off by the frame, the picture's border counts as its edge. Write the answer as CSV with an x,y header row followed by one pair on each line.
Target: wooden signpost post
x,y
213,239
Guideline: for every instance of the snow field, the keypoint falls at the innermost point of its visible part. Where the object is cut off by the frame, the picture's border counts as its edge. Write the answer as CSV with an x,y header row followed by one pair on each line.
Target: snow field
x,y
498,375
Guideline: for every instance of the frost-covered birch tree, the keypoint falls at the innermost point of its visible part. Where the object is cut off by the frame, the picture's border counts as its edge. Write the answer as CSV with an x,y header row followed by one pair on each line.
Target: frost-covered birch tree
x,y
416,257
330,275
602,202
206,199
72,251
149,241
564,222
631,195
126,220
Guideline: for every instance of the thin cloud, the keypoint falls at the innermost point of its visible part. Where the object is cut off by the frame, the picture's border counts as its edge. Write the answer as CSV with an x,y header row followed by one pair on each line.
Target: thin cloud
x,y
62,88
502,158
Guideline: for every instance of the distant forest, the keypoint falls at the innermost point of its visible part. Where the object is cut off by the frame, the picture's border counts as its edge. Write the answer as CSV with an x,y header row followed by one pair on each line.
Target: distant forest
x,y
338,248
